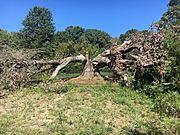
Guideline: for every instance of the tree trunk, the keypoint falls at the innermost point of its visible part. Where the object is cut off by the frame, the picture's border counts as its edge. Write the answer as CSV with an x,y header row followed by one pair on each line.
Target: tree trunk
x,y
88,71
89,74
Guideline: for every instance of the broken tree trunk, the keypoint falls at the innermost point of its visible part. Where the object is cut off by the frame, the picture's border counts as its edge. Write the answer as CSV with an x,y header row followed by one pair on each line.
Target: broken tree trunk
x,y
89,75
88,71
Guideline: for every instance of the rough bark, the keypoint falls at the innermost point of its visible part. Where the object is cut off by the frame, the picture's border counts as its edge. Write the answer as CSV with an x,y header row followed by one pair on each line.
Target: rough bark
x,y
88,71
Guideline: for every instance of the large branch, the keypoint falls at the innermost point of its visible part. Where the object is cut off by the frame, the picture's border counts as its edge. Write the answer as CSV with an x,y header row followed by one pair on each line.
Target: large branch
x,y
66,61
50,62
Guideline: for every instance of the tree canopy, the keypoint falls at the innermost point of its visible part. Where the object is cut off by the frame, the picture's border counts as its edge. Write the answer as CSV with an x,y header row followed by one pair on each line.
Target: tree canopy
x,y
97,37
38,28
129,33
172,16
78,34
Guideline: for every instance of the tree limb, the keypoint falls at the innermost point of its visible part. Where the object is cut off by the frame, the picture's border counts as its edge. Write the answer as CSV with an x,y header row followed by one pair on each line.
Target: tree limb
x,y
64,62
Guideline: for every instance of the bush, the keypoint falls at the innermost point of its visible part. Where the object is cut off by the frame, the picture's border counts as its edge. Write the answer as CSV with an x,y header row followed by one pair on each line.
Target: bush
x,y
152,90
168,104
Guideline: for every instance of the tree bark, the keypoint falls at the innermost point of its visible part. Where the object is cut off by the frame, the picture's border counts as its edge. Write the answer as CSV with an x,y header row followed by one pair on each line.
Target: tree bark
x,y
88,71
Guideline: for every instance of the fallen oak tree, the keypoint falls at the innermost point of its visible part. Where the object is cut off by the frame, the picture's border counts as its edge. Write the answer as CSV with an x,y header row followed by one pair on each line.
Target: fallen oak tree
x,y
91,68
142,50
117,58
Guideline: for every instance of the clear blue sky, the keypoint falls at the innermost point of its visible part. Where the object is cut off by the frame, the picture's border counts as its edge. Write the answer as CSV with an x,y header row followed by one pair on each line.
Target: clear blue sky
x,y
112,16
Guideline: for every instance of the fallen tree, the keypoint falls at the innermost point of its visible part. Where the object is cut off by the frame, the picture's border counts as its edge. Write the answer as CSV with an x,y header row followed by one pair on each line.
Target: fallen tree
x,y
138,55
140,51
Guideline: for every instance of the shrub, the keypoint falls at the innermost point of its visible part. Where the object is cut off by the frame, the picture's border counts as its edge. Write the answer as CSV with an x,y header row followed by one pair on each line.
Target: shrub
x,y
152,90
168,104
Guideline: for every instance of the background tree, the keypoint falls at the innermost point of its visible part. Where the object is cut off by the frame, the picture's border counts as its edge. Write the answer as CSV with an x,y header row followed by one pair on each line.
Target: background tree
x,y
4,38
9,39
71,34
74,33
172,16
82,38
126,35
60,37
97,37
38,28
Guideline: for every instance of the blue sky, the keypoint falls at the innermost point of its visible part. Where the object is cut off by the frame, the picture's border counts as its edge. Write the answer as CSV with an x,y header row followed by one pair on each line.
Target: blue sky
x,y
112,16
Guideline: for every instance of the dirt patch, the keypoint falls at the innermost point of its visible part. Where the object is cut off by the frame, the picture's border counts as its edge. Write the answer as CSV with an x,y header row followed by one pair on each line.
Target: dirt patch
x,y
94,80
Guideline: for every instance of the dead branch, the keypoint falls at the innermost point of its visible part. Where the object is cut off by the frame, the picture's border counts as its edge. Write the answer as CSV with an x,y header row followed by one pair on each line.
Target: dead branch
x,y
64,62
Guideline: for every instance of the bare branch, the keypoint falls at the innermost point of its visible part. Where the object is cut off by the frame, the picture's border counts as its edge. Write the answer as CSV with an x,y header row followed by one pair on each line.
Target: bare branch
x,y
64,62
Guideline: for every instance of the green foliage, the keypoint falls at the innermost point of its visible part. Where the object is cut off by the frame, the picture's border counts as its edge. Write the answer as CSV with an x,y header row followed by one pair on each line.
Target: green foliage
x,y
71,34
168,104
81,37
70,48
60,37
73,68
149,81
172,48
97,37
4,38
74,33
171,17
43,53
8,39
65,50
152,90
125,36
15,40
38,28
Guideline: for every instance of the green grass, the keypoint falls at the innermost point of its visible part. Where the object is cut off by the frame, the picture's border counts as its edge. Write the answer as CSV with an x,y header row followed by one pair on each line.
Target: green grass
x,y
61,75
67,76
82,110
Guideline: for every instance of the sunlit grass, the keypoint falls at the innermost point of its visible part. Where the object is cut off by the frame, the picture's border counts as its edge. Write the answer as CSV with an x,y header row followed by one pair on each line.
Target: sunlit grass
x,y
81,109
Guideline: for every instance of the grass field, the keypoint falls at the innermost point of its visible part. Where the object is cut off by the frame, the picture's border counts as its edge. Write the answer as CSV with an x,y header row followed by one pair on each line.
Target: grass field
x,y
81,110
